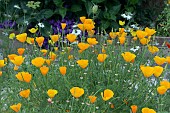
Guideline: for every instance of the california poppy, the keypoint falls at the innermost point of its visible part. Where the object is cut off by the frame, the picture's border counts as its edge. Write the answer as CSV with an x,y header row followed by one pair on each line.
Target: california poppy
x,y
21,37
51,93
44,70
153,49
101,57
128,56
40,41
16,107
158,71
134,108
161,90
2,63
147,71
20,51
63,70
54,38
107,94
83,46
141,34
63,25
82,63
159,60
77,92
148,110
33,30
165,83
25,93
18,60
92,41
24,76
92,98
38,61
71,37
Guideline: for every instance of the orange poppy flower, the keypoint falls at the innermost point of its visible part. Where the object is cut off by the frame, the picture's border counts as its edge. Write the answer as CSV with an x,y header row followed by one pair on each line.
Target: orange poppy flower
x,y
2,63
81,27
92,41
44,70
20,51
83,46
40,41
77,92
148,110
33,30
38,61
63,25
48,61
82,19
165,83
149,31
113,35
44,51
18,60
141,34
71,37
147,71
92,99
122,40
21,37
134,108
52,92
107,94
161,90
54,38
0,73
30,40
25,93
11,56
16,107
83,63
63,70
101,57
52,56
153,49
24,76
144,41
158,71
128,56
159,60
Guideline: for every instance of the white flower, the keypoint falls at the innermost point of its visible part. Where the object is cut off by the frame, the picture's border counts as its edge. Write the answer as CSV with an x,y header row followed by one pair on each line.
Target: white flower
x,y
41,25
128,17
17,7
123,15
76,32
134,49
26,22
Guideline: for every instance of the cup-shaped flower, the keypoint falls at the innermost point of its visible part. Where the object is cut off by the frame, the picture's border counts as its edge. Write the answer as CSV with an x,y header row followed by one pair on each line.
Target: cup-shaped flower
x,y
165,83
135,38
63,70
92,98
82,63
77,92
38,61
30,40
89,27
33,30
71,37
153,49
92,41
158,71
39,41
128,56
81,27
51,93
21,37
25,93
20,51
159,60
24,76
16,107
107,94
18,60
149,31
91,33
148,110
147,71
101,57
44,70
48,61
144,41
122,40
161,90
168,59
82,19
2,63
63,25
141,34
134,108
83,46
44,51
11,56
54,38
52,56
12,36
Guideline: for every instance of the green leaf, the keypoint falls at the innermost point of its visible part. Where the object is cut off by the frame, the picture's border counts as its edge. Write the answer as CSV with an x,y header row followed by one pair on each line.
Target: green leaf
x,y
88,6
62,12
83,0
105,24
115,9
76,8
48,13
97,1
58,2
133,2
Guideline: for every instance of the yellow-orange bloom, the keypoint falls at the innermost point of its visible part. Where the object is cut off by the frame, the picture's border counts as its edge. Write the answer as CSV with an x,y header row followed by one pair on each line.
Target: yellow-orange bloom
x,y
92,41
54,38
11,56
77,92
158,71
165,83
70,57
107,94
0,73
82,63
38,61
63,70
101,57
21,37
148,110
92,99
141,34
134,108
159,60
12,36
122,40
24,76
71,37
161,90
135,38
121,22
168,59
16,107
52,56
63,25
89,27
51,93
48,61
109,41
44,51
18,60
147,71
112,35
91,33
20,51
82,19
44,70
128,56
149,31
2,63
144,41
25,93
16,68
153,49
83,46
33,30
40,41
30,40
81,26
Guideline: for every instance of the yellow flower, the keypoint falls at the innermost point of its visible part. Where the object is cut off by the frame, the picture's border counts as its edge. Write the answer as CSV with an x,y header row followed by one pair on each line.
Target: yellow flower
x,y
0,73
77,92
150,32
51,93
121,30
165,83
159,60
30,40
133,33
71,37
82,19
134,108
16,68
40,41
101,57
52,56
54,38
48,61
107,94
92,41
33,30
44,70
44,51
63,70
91,33
20,51
141,34
24,76
16,107
88,21
148,110
92,99
128,56
18,60
63,25
135,38
109,41
147,71
121,22
81,26
168,59
25,93
55,48
70,57
11,56
122,40
83,46
82,63
2,63
161,90
153,49
38,61
21,37
158,71
12,36
144,41
113,35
